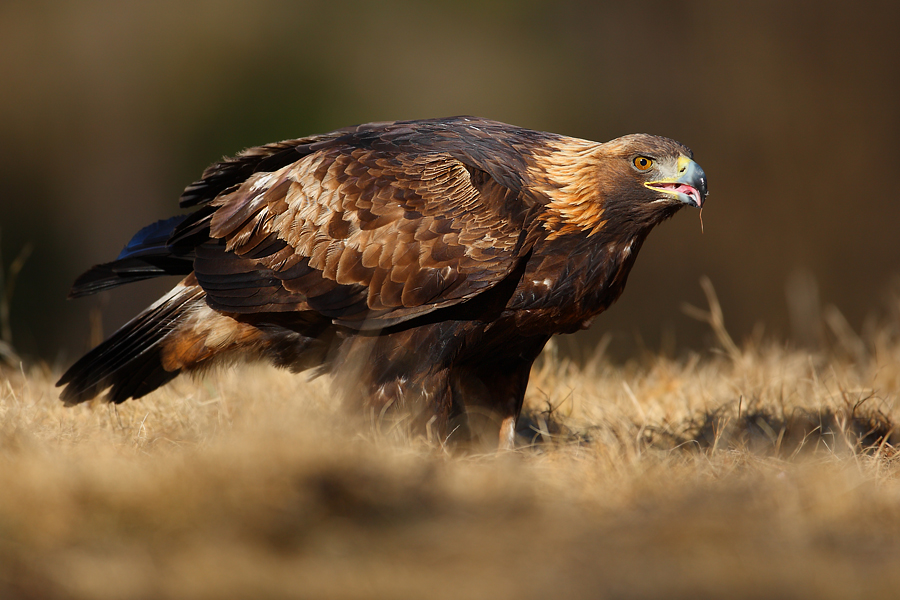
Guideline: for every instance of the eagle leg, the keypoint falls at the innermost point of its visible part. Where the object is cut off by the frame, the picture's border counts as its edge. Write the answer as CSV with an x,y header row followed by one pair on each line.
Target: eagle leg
x,y
493,392
508,433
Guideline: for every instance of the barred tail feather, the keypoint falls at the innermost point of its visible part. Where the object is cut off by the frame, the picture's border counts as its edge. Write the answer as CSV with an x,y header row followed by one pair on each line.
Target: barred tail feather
x,y
131,363
181,333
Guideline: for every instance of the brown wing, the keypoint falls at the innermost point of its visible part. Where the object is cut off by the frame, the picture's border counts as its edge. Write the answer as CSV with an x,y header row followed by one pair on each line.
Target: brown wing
x,y
366,237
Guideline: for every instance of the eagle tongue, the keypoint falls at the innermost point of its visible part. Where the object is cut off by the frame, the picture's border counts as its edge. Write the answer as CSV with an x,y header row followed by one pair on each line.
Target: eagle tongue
x,y
691,192
682,188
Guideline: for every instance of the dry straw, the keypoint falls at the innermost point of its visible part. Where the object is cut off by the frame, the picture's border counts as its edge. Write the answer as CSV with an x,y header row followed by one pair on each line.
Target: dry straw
x,y
751,471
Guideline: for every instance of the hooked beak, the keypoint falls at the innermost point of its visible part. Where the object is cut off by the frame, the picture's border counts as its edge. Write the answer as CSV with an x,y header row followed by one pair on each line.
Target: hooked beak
x,y
689,185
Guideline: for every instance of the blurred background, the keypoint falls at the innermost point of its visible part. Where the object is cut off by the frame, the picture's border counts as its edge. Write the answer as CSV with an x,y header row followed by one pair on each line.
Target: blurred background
x,y
109,109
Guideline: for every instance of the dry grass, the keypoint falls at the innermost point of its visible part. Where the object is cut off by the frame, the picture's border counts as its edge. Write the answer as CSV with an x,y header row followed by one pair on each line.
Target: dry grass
x,y
756,472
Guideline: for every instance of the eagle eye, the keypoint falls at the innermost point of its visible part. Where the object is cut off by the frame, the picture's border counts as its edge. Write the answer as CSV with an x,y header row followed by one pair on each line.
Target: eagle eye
x,y
642,163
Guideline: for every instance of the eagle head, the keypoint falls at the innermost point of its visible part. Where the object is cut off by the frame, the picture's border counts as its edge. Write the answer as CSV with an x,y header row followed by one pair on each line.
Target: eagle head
x,y
635,180
653,170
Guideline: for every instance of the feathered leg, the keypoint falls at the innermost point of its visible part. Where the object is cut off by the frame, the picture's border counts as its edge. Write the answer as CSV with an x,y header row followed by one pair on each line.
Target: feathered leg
x,y
494,391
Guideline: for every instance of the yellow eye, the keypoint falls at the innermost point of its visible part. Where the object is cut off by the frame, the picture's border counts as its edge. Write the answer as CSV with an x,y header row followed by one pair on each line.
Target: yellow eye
x,y
642,163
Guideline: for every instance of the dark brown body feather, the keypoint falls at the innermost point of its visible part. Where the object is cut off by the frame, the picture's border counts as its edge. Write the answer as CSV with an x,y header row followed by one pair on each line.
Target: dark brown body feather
x,y
434,258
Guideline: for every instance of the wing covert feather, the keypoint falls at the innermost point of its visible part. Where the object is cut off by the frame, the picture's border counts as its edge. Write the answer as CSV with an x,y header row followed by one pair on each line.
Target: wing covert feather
x,y
364,236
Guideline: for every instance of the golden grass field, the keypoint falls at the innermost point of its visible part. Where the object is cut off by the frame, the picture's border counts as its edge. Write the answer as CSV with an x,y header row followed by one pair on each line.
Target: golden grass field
x,y
747,472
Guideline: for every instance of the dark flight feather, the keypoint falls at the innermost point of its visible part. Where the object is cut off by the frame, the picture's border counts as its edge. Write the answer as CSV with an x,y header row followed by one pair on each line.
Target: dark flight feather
x,y
147,255
441,254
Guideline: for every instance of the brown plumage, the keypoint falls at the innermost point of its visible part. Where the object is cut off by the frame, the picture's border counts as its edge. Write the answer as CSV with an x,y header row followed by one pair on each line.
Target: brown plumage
x,y
432,258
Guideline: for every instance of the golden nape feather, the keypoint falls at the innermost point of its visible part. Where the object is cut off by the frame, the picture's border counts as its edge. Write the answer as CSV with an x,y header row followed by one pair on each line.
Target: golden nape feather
x,y
434,257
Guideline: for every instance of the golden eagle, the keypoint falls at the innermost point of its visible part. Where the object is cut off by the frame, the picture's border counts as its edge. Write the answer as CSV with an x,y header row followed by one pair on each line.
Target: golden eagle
x,y
433,258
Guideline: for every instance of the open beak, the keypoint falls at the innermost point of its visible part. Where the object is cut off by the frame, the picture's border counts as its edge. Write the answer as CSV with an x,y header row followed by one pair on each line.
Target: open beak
x,y
689,185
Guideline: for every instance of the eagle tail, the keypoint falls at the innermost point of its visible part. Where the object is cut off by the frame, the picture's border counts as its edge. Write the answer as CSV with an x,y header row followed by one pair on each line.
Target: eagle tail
x,y
131,363
147,255
181,333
